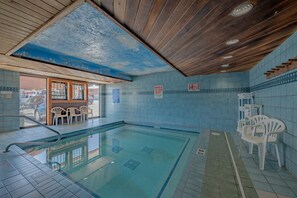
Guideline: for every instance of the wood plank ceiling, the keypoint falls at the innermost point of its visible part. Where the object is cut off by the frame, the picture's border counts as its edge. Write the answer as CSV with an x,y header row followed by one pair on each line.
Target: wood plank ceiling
x,y
188,34
22,20
191,34
19,19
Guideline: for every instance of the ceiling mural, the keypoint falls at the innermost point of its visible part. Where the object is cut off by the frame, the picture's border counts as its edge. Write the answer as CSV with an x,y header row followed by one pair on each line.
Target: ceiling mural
x,y
87,40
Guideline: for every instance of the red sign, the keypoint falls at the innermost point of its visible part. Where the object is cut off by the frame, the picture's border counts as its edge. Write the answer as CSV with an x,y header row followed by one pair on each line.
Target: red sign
x,y
193,87
158,91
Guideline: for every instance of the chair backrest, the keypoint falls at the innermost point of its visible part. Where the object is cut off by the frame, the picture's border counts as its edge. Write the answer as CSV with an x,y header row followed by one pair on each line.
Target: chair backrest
x,y
257,119
272,128
72,110
251,121
83,109
58,110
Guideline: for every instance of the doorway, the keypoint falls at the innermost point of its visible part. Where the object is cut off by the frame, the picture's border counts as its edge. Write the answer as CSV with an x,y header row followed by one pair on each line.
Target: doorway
x,y
32,100
93,98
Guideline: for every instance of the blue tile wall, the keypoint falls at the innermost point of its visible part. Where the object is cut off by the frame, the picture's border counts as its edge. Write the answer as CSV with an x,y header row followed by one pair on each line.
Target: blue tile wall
x,y
215,106
279,97
9,81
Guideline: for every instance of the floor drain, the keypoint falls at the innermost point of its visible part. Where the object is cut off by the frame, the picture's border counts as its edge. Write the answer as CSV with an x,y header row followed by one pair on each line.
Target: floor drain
x,y
132,164
215,133
200,151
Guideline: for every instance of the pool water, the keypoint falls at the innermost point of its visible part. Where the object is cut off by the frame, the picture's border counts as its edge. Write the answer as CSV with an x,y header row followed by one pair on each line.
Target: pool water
x,y
128,161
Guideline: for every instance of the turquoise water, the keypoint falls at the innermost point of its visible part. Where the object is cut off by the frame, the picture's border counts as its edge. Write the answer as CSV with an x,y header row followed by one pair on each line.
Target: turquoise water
x,y
129,161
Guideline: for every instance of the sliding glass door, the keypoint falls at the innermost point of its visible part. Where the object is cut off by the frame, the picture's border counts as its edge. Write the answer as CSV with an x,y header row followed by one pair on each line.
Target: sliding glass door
x,y
32,99
93,99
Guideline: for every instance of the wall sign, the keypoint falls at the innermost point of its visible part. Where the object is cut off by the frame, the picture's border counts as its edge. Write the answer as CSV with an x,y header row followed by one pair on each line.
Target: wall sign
x,y
158,91
193,87
116,96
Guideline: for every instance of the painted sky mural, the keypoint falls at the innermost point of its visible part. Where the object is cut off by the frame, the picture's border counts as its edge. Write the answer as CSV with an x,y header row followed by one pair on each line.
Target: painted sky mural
x,y
87,40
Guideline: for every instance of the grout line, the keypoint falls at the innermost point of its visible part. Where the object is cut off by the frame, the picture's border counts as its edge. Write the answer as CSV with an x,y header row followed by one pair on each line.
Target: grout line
x,y
235,168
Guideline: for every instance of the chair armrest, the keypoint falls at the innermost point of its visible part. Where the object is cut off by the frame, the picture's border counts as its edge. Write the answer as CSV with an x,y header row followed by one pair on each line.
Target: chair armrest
x,y
241,123
276,132
252,129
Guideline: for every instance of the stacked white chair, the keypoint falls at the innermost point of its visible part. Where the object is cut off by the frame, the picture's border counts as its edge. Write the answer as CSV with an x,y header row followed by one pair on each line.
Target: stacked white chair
x,y
250,126
271,129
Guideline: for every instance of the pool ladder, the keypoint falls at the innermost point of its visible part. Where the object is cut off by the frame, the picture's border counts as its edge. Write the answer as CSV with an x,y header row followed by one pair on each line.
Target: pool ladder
x,y
31,143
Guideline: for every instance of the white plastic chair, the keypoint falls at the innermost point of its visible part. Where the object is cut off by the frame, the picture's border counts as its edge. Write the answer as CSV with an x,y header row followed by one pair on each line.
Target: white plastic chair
x,y
272,127
85,112
71,111
59,112
250,126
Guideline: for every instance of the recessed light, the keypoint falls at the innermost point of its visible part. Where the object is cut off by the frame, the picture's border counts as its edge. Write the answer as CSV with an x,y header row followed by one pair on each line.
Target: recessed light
x,y
225,65
242,9
232,41
223,71
227,57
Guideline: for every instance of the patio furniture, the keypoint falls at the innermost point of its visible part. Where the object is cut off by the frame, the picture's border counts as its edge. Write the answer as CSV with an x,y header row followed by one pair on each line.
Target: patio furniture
x,y
85,112
250,126
58,112
71,111
271,129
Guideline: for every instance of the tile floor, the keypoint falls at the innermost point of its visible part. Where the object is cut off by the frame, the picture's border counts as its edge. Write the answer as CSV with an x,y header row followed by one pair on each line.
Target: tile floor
x,y
209,175
212,175
23,176
274,181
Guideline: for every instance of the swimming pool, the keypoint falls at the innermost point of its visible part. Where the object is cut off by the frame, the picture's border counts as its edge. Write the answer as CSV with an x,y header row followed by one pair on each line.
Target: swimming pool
x,y
129,161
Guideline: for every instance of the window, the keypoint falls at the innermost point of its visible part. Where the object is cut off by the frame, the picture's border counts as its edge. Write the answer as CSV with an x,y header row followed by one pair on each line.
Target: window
x,y
59,90
78,92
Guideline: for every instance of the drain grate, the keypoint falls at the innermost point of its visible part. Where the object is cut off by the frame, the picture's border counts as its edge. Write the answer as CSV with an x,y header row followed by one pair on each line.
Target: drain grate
x,y
200,151
147,150
132,164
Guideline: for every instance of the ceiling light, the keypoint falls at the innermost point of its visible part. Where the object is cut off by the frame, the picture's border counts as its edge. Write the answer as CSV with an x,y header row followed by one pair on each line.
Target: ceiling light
x,y
223,71
227,57
242,9
232,41
225,65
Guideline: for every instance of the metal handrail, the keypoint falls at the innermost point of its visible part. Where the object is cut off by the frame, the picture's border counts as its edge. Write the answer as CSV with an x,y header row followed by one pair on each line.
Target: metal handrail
x,y
52,163
31,143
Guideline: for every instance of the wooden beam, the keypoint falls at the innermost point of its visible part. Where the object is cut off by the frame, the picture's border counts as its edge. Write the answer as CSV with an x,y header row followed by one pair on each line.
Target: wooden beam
x,y
47,24
97,7
44,69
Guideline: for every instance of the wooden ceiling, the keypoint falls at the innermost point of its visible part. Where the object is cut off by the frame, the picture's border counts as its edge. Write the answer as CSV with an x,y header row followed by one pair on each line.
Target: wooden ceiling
x,y
191,34
21,21
188,34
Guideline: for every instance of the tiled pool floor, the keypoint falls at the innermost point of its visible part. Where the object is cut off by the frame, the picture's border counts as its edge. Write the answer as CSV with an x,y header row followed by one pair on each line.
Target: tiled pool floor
x,y
209,175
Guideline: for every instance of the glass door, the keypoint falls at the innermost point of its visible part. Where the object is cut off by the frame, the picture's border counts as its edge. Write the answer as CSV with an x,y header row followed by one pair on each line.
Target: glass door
x,y
32,99
93,99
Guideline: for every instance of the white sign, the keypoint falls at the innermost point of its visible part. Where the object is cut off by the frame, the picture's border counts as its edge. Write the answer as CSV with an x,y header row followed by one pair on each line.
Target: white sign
x,y
193,87
158,91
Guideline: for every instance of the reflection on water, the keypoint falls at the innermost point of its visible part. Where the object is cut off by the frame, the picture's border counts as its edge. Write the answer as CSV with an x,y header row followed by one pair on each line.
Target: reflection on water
x,y
69,154
123,162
